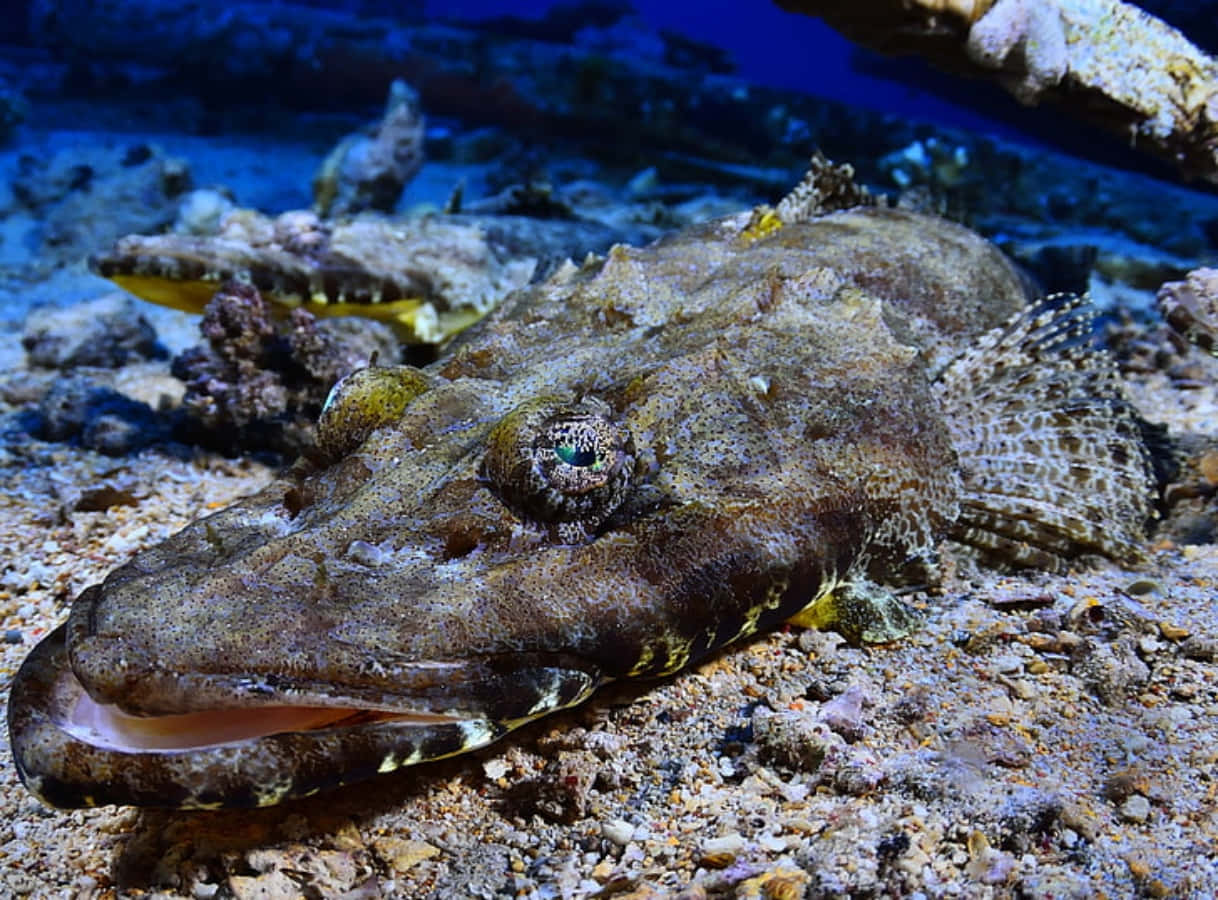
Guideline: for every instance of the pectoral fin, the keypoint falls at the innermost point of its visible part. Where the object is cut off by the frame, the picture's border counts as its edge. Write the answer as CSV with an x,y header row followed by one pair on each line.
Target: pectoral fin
x,y
1055,460
860,610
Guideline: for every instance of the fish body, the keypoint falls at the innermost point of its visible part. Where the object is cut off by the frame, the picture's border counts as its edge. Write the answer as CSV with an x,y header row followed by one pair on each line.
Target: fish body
x,y
620,470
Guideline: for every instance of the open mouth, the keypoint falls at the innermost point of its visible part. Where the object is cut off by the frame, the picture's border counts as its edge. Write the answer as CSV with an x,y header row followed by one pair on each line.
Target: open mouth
x,y
73,751
106,726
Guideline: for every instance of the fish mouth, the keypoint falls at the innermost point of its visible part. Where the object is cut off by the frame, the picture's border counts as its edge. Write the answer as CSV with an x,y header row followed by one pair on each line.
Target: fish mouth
x,y
107,726
73,751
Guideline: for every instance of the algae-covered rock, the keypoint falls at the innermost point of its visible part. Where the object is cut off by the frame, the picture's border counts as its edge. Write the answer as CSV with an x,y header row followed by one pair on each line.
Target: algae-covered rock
x,y
1105,60
88,196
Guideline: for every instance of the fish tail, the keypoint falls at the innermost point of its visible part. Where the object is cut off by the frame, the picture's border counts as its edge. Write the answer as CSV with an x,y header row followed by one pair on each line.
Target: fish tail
x,y
1055,461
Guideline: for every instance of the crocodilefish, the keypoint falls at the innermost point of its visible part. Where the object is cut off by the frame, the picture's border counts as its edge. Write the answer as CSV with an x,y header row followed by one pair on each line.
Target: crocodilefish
x,y
624,467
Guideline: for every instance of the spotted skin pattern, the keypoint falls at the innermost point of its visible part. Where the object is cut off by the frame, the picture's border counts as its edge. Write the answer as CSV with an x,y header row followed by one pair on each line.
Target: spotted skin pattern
x,y
756,425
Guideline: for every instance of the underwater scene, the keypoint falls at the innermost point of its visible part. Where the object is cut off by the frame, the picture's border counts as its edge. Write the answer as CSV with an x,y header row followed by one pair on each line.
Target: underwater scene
x,y
609,448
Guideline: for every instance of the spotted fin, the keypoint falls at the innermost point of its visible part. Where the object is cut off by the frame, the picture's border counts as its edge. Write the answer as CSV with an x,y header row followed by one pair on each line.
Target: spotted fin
x,y
1054,459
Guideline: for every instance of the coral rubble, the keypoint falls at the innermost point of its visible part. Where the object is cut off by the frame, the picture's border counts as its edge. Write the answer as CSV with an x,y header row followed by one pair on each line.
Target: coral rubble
x,y
1191,308
259,382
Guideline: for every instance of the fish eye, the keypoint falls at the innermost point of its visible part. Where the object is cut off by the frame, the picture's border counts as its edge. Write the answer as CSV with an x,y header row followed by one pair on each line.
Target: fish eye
x,y
559,463
578,453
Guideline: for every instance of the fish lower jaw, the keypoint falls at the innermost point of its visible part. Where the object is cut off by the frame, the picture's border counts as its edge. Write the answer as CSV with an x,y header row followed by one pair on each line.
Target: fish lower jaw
x,y
73,751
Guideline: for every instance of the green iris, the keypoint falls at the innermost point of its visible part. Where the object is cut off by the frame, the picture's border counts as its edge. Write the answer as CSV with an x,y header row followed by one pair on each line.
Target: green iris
x,y
581,457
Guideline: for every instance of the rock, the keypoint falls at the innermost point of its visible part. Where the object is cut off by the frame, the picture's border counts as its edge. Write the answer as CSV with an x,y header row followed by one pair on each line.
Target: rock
x,y
1202,649
1190,307
1112,671
720,852
987,864
857,774
99,417
1136,808
1026,816
201,211
87,196
401,854
1156,87
781,883
108,332
794,739
844,713
267,886
560,792
368,169
260,382
618,831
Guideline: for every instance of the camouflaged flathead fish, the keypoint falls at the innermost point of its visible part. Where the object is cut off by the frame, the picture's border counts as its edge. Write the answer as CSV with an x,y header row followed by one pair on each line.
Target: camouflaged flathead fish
x,y
622,469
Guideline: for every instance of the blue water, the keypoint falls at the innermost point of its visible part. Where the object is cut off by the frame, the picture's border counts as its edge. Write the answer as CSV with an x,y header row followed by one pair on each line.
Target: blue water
x,y
773,47
767,46
262,73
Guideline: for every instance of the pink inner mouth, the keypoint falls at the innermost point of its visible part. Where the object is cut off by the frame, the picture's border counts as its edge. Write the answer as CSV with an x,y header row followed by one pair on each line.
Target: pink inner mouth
x,y
108,727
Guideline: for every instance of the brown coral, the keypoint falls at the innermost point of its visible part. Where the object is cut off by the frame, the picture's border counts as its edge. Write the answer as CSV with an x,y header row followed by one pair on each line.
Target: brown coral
x,y
259,383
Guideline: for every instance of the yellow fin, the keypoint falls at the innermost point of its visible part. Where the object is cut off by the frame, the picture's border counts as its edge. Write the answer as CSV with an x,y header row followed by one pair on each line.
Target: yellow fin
x,y
763,223
413,319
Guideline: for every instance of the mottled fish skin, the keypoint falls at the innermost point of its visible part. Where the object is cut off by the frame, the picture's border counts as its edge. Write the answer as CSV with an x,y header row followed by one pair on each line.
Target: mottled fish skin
x,y
760,412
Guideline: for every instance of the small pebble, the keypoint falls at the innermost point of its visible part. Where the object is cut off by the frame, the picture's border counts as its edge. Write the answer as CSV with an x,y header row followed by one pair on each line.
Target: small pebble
x,y
1200,649
494,769
618,831
401,854
1008,664
12,636
366,554
1148,646
1143,586
1173,632
1136,808
844,713
1112,671
720,852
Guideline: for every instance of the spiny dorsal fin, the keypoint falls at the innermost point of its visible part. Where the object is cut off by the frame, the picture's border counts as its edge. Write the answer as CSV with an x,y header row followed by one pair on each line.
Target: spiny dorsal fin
x,y
1052,454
